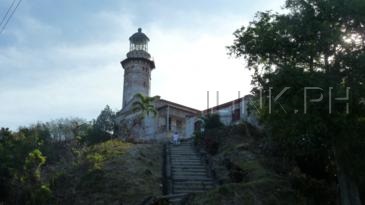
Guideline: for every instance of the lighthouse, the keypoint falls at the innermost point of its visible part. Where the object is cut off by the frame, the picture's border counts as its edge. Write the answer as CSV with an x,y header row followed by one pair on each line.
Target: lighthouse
x,y
137,67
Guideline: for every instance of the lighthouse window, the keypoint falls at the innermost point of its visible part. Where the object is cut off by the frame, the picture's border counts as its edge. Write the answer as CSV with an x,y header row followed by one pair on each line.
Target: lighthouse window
x,y
144,84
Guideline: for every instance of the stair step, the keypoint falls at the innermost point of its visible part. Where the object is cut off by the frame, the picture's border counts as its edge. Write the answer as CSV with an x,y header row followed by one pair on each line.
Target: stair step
x,y
193,186
190,188
198,178
189,173
200,172
201,184
183,151
189,164
188,161
187,167
177,174
182,192
185,157
182,148
184,167
183,154
176,154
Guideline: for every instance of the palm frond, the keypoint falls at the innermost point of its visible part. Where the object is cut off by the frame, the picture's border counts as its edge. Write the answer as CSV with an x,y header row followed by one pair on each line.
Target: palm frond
x,y
144,104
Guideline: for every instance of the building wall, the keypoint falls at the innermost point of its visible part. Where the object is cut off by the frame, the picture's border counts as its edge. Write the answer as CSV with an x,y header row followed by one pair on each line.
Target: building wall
x,y
137,79
225,115
236,111
189,127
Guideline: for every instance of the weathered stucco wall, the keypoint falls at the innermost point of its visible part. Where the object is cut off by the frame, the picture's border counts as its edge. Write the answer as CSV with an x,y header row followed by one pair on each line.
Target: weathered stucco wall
x,y
137,79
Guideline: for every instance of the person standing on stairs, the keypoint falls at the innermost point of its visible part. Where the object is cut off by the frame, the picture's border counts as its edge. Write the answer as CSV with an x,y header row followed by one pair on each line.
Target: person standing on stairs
x,y
175,138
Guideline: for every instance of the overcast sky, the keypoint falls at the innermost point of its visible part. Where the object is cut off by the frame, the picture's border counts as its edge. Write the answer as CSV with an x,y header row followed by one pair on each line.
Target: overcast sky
x,y
62,58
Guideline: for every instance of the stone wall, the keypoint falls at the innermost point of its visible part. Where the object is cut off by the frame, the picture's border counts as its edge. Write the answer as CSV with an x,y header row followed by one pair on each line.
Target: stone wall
x,y
137,79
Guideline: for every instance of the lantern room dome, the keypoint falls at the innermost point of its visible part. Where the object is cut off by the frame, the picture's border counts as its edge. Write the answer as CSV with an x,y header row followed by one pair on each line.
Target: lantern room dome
x,y
139,41
139,37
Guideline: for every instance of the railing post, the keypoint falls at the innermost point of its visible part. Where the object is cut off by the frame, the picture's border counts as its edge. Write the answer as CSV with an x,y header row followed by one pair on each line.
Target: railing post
x,y
166,171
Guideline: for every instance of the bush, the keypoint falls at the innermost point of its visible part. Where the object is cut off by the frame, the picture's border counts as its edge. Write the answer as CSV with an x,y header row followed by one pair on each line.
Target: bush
x,y
95,135
95,160
212,121
211,139
41,195
198,138
211,145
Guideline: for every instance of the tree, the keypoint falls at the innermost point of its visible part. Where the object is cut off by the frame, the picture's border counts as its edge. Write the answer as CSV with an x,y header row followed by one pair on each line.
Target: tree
x,y
34,191
65,128
212,121
105,120
20,167
144,105
102,129
316,44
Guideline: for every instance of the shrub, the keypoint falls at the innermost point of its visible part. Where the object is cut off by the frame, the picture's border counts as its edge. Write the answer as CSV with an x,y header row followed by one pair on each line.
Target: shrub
x,y
213,121
198,138
95,160
211,139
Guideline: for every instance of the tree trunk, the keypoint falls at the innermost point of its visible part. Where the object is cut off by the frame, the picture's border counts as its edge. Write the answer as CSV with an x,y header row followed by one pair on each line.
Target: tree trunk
x,y
349,191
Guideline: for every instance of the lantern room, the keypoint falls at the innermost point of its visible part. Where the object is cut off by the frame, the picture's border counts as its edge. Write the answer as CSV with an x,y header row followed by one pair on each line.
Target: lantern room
x,y
139,41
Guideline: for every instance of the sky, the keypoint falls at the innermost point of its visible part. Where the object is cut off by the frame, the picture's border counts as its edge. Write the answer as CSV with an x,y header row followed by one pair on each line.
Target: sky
x,y
61,59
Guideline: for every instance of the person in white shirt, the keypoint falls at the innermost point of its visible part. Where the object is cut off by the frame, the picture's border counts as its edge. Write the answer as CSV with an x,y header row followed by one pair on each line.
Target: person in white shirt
x,y
175,138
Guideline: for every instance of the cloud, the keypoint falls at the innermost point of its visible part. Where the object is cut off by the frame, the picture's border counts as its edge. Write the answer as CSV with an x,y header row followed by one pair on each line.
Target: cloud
x,y
65,62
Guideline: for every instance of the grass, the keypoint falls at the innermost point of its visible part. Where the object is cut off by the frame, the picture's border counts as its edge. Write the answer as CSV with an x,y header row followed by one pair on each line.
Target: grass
x,y
244,176
263,191
112,172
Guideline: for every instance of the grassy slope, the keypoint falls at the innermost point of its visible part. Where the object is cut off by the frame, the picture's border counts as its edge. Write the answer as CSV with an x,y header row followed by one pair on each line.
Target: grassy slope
x,y
112,172
244,176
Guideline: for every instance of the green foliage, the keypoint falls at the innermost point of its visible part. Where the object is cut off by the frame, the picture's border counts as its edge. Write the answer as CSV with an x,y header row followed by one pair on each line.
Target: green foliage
x,y
316,44
198,137
264,191
32,165
105,122
100,130
212,121
34,191
209,139
41,195
65,129
111,172
97,154
110,148
313,191
95,159
144,104
95,135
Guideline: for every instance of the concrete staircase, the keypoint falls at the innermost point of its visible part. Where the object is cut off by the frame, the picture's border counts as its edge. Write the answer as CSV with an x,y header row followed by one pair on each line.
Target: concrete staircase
x,y
186,171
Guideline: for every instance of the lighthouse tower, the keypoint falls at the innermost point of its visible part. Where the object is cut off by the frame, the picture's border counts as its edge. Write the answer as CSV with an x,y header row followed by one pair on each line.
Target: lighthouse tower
x,y
137,67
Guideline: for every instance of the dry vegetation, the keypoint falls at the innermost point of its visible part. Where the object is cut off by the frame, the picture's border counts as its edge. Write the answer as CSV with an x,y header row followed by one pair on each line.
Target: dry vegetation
x,y
112,172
